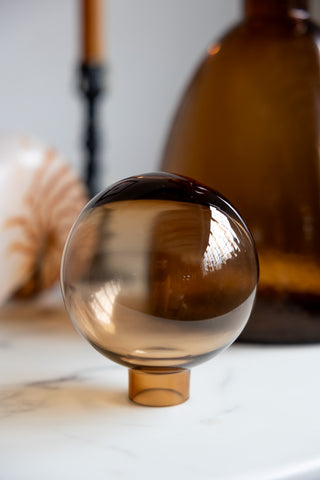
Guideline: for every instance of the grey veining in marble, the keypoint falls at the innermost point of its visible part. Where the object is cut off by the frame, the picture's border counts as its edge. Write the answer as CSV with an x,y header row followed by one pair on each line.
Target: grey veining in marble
x,y
64,412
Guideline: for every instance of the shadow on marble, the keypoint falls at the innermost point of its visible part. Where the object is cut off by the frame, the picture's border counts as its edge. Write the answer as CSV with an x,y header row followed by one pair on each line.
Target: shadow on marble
x,y
21,311
23,318
60,398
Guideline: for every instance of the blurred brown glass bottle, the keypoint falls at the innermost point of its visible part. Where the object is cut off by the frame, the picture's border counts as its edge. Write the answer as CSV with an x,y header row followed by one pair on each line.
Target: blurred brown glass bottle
x,y
248,125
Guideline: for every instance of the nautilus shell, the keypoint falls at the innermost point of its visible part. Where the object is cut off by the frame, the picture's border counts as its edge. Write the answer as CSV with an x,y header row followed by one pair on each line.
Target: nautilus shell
x,y
40,197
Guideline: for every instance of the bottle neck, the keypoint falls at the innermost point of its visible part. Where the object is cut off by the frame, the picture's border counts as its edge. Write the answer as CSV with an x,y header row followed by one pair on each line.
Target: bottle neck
x,y
275,8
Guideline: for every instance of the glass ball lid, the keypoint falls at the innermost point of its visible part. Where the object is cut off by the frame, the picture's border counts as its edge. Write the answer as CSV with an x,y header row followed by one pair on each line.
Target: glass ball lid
x,y
159,273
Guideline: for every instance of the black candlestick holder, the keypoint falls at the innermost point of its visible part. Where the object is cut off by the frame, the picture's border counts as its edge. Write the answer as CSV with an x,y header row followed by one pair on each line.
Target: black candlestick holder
x,y
92,86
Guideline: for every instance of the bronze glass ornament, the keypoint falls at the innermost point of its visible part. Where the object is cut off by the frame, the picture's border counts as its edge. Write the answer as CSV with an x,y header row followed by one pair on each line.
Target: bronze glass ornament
x,y
248,125
159,273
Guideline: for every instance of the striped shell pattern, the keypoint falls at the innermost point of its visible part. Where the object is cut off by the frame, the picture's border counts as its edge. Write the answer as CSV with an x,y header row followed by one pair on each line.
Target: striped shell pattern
x,y
40,197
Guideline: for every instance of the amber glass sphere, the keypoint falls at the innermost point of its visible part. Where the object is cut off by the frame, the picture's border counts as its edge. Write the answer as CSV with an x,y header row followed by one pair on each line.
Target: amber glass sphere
x,y
159,273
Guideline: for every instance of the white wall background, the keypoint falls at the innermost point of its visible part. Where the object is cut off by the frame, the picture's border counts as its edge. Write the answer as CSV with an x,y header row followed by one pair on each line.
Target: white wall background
x,y
153,48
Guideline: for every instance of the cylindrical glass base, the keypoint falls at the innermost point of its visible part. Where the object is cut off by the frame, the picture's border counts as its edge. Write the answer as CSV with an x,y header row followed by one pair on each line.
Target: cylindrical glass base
x,y
159,387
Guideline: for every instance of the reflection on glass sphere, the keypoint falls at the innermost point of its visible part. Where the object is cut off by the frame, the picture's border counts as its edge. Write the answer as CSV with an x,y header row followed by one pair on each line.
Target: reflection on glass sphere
x,y
159,273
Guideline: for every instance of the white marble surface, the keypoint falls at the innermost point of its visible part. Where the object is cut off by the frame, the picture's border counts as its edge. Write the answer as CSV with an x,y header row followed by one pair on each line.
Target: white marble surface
x,y
254,412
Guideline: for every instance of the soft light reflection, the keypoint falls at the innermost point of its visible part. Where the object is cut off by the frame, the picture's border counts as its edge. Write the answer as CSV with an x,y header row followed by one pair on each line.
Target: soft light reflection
x,y
214,49
102,304
32,158
223,242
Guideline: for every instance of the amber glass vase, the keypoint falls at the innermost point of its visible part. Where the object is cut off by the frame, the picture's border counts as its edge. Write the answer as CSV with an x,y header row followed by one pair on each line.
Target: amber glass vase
x,y
248,125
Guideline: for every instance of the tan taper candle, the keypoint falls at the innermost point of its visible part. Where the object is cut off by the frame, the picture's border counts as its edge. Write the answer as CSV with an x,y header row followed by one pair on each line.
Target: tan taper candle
x,y
93,48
